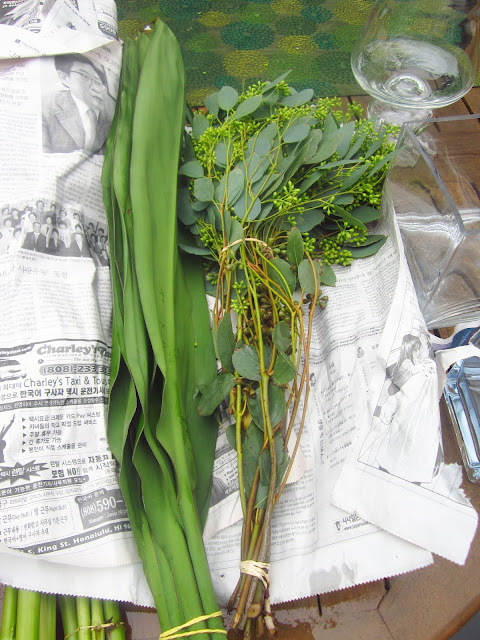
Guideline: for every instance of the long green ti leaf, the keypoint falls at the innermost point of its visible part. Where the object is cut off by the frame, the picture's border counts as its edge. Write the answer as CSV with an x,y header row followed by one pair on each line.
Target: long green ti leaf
x,y
157,132
161,344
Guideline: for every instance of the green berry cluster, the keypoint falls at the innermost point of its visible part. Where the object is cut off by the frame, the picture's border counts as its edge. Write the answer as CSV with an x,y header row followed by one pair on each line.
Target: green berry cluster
x,y
308,243
288,199
332,251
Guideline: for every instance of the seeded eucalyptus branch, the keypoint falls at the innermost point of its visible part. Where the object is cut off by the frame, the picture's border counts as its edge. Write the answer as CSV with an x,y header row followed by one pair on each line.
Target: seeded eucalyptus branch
x,y
276,188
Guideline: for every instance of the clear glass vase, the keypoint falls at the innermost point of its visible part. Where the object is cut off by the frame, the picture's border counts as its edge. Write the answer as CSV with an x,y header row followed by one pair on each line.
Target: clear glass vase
x,y
417,55
432,188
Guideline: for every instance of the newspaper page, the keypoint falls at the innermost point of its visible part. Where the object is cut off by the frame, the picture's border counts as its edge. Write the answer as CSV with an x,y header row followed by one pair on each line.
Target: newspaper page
x,y
61,511
317,547
397,458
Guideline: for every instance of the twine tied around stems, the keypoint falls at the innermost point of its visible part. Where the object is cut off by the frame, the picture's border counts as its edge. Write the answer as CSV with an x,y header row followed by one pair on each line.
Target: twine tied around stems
x,y
257,570
97,627
171,634
229,246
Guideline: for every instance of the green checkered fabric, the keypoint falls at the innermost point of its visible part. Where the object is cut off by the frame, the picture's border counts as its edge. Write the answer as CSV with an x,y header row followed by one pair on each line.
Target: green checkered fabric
x,y
238,42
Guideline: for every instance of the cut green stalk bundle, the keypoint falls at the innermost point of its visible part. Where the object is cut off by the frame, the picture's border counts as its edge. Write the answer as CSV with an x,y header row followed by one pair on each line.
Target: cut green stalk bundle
x,y
161,343
30,615
275,189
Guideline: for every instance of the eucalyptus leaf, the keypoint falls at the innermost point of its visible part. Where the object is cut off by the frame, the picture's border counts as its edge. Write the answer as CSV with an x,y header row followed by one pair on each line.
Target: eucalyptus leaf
x,y
185,210
257,168
231,435
383,162
261,495
270,98
284,370
225,342
211,218
375,146
227,98
211,102
274,83
246,362
200,205
310,120
203,189
220,189
187,243
344,198
188,150
290,165
348,218
314,138
246,204
269,132
330,125
337,163
347,133
265,210
223,153
309,219
235,184
353,177
328,275
296,133
370,250
200,125
294,247
246,108
214,393
310,180
255,210
282,335
297,99
326,149
213,214
251,448
366,213
282,460
276,406
356,146
306,221
307,274
192,169
260,145
236,233
280,272
371,239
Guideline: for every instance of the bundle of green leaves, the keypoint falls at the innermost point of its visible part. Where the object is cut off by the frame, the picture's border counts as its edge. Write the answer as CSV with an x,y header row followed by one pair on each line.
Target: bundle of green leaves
x,y
276,188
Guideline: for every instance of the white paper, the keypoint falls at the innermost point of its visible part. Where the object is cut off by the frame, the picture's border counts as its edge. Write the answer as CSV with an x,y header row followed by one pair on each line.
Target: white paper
x,y
61,511
395,476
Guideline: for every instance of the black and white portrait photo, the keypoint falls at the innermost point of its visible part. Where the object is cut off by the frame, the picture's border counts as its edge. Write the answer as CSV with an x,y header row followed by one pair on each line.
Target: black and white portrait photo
x,y
77,108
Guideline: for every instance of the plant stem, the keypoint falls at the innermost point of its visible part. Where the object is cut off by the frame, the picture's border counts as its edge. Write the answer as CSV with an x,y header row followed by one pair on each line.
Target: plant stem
x,y
68,612
97,619
112,613
238,442
84,619
48,617
9,616
28,613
